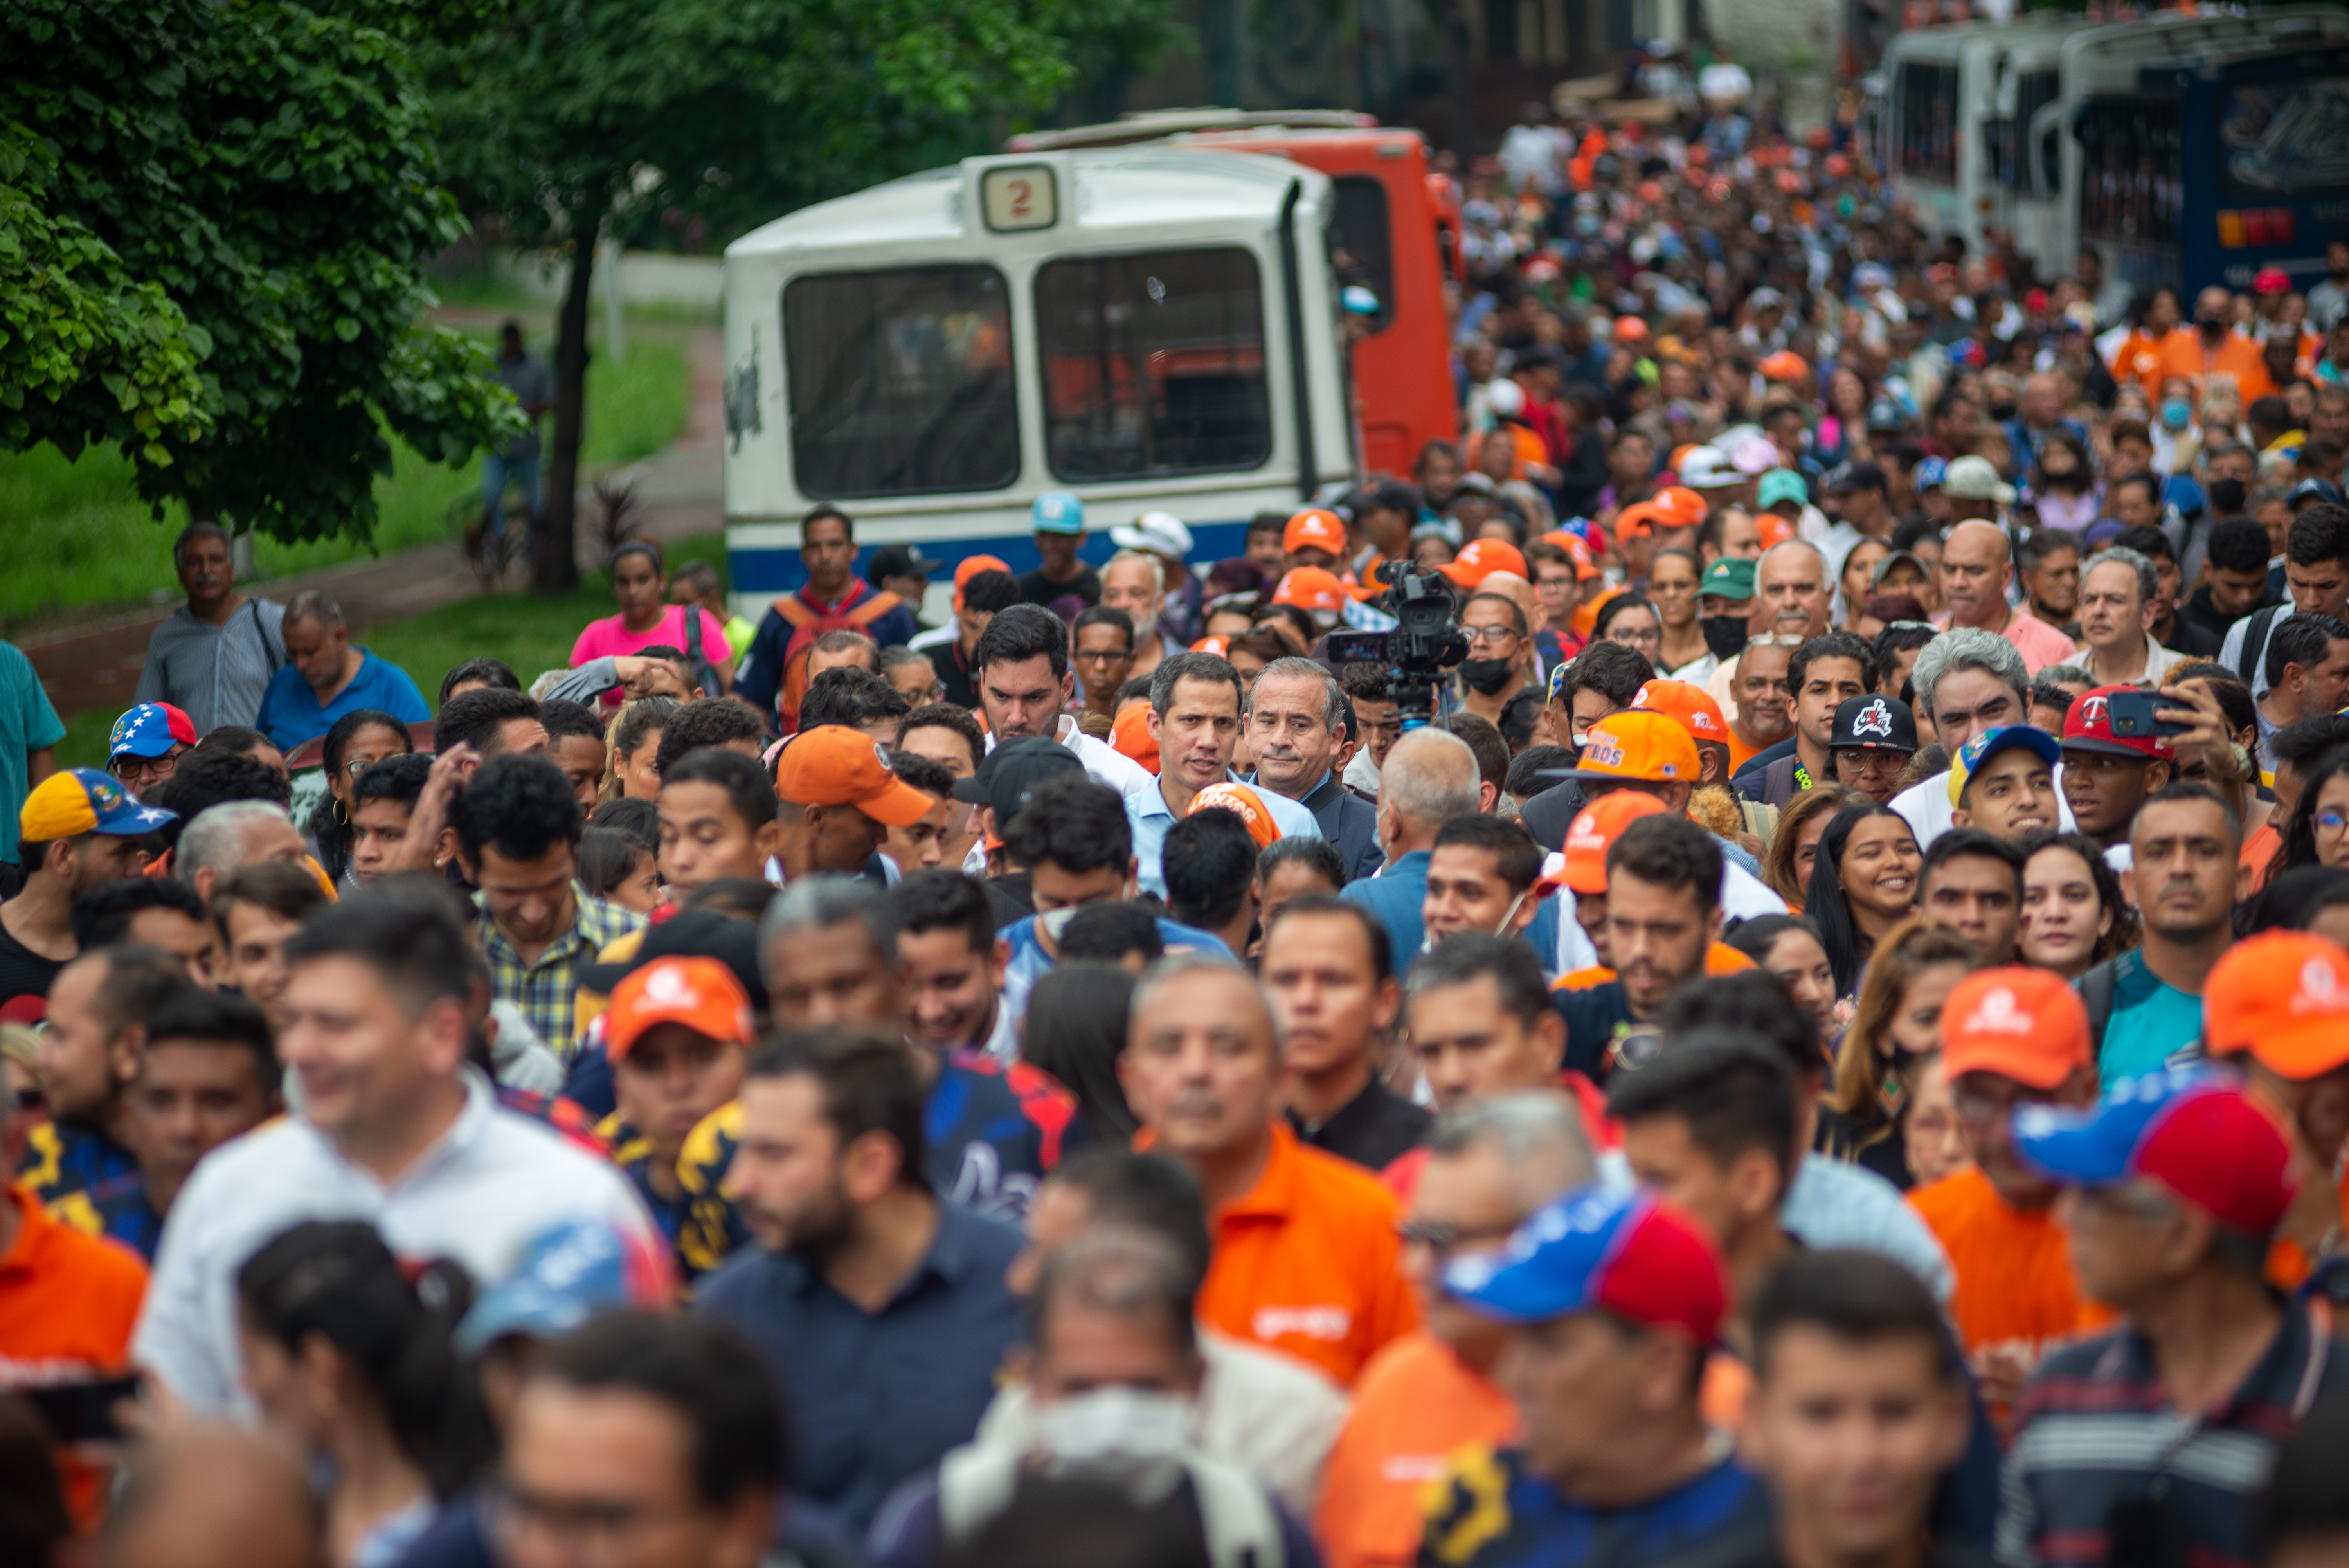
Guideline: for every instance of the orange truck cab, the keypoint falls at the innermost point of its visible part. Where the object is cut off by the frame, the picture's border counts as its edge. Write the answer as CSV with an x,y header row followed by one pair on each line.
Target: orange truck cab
x,y
1396,232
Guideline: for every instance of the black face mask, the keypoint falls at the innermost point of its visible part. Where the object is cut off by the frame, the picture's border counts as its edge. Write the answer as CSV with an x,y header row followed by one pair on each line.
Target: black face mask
x,y
1490,677
2002,412
1724,635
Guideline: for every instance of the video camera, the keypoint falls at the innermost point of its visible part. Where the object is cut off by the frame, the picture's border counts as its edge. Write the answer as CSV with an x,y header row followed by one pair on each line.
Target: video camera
x,y
1422,647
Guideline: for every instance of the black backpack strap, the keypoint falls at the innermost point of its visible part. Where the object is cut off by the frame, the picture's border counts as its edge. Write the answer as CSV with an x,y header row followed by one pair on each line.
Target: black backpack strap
x,y
276,656
2098,988
705,675
2255,643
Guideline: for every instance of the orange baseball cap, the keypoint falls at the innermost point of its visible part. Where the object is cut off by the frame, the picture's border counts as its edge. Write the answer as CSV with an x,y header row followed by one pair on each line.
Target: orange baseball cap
x,y
1243,803
1129,736
1596,826
835,765
699,993
1314,530
1481,558
1311,588
1218,646
2021,1024
1577,550
1774,530
1642,520
2283,996
1683,505
1786,365
1637,744
1631,328
970,566
1692,707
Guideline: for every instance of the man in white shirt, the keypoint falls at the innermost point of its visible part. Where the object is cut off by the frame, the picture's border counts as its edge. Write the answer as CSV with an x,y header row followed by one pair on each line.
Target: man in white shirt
x,y
1970,680
1020,667
395,1129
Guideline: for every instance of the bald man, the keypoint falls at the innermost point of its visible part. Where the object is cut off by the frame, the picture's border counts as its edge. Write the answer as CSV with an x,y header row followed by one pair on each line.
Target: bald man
x,y
1430,776
1792,591
212,1496
1977,573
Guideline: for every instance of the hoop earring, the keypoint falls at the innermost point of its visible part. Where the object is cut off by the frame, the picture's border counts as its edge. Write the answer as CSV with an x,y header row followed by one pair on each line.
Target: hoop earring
x,y
338,812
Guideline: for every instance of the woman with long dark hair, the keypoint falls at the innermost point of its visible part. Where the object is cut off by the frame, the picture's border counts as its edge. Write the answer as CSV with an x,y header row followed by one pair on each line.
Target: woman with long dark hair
x,y
1631,619
1074,1029
345,1356
2317,832
1897,1023
353,744
2073,916
1863,883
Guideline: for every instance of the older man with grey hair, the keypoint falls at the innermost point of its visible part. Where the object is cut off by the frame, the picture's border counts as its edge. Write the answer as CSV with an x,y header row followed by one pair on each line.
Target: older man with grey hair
x,y
2115,590
1300,729
233,834
1966,680
214,656
1490,1165
326,677
1429,778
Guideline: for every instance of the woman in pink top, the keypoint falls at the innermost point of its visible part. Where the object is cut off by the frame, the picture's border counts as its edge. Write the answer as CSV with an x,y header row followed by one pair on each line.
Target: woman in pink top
x,y
639,587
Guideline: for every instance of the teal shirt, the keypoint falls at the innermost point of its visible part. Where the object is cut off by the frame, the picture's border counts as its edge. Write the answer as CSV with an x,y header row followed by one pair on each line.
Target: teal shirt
x,y
27,723
2152,1020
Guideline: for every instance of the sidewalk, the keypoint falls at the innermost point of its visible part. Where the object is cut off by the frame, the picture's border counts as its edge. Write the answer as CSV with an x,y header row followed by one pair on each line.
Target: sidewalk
x,y
680,492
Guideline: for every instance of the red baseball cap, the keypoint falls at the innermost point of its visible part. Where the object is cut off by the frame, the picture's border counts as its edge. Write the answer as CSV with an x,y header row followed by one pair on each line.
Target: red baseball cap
x,y
1627,1252
2188,1128
2283,996
2088,727
2021,1024
1314,530
833,765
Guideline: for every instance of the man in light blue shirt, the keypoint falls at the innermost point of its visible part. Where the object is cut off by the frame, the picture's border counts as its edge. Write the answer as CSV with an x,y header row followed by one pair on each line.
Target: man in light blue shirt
x,y
327,678
1195,715
1429,778
2147,1003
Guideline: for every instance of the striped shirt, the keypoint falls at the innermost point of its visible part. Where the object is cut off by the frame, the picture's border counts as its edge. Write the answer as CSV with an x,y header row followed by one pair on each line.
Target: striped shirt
x,y
2100,1451
215,674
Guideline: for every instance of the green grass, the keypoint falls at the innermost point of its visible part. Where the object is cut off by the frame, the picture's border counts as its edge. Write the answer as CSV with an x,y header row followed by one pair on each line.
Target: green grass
x,y
79,537
529,633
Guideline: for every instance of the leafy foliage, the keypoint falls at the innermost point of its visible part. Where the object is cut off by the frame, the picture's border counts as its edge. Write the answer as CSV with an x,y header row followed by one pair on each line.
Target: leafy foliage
x,y
212,219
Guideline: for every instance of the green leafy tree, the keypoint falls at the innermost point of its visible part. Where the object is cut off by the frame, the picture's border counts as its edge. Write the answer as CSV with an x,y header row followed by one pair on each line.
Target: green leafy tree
x,y
214,218
574,113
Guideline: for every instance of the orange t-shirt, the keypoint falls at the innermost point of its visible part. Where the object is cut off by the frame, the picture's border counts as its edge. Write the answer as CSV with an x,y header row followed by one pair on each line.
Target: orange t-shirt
x,y
68,1305
2015,1287
2140,358
1416,1405
1308,1262
2259,853
2238,359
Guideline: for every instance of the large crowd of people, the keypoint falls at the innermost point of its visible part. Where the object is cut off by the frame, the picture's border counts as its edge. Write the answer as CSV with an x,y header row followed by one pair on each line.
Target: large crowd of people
x,y
1822,1038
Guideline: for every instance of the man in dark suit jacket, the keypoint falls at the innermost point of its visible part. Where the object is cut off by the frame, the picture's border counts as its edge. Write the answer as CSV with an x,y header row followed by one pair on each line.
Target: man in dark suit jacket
x,y
1298,723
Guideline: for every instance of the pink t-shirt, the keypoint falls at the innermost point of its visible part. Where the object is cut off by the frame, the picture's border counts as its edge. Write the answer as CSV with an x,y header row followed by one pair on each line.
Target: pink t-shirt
x,y
608,636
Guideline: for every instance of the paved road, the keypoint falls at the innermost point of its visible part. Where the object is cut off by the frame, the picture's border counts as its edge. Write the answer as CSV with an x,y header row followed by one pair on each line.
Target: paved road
x,y
681,494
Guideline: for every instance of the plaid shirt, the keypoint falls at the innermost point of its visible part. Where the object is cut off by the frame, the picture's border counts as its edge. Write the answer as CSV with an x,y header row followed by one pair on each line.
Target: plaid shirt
x,y
547,991
2095,1431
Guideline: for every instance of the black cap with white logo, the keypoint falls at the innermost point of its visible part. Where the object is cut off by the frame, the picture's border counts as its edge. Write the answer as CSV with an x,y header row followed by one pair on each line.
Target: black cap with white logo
x,y
1873,724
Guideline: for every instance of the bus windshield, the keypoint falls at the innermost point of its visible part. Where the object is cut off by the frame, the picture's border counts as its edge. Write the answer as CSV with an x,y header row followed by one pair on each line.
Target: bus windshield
x,y
901,382
2284,139
1154,363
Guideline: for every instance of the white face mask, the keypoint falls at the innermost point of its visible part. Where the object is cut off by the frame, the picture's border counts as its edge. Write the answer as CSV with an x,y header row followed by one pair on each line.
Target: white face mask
x,y
1515,905
1052,923
1133,1439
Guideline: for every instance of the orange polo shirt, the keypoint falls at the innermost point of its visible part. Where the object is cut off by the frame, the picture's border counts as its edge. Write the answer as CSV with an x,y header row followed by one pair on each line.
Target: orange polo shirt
x,y
1308,1261
2140,358
2015,1287
68,1305
1417,1405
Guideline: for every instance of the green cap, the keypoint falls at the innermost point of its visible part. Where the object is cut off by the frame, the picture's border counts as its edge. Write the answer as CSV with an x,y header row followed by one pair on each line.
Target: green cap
x,y
1730,577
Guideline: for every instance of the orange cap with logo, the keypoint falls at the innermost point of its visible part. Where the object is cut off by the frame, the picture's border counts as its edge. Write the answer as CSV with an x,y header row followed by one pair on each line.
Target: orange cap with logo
x,y
1637,744
1314,530
835,765
1481,558
1641,521
2283,996
1578,550
699,993
1692,706
1597,825
1243,803
2021,1024
1311,589
1683,505
1774,530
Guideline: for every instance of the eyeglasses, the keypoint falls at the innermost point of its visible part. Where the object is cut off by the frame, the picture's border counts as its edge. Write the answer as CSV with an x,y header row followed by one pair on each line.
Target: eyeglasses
x,y
136,771
1488,636
2330,821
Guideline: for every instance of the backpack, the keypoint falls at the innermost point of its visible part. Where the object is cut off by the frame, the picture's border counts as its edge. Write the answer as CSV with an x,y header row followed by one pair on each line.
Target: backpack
x,y
807,625
2255,642
2099,988
705,676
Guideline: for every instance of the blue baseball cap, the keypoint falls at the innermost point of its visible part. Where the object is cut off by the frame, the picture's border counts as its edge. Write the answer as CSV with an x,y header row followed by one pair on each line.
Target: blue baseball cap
x,y
150,729
1058,511
2189,1128
1990,743
564,1277
75,801
1600,1249
1931,472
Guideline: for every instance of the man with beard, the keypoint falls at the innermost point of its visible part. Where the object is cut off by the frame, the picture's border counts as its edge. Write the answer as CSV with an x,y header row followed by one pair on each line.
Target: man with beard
x,y
883,1309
